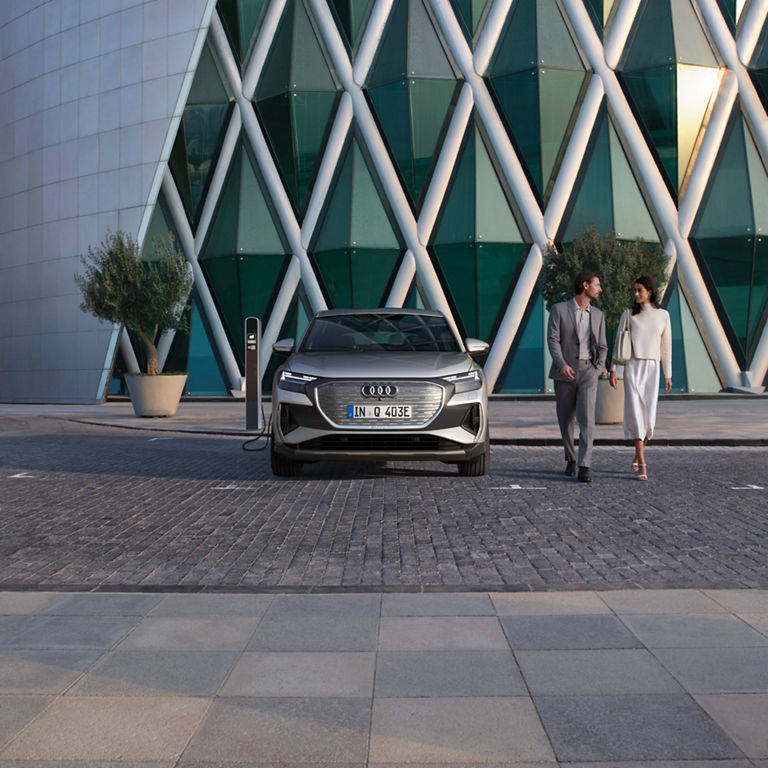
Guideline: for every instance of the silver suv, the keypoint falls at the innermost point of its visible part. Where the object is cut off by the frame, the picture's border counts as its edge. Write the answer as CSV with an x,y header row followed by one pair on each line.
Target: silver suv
x,y
380,384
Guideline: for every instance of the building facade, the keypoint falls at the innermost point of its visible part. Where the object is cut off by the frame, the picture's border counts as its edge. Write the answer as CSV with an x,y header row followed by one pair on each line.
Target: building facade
x,y
307,154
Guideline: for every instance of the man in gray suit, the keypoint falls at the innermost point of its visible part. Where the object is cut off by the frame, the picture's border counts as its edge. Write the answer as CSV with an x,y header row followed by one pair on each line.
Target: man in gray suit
x,y
576,340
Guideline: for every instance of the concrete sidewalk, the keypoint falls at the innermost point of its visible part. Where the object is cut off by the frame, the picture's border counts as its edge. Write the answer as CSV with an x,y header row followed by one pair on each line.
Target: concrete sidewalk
x,y
681,420
616,678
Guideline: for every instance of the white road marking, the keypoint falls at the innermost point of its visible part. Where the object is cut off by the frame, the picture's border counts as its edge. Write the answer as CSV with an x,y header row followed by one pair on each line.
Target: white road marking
x,y
21,474
515,487
748,487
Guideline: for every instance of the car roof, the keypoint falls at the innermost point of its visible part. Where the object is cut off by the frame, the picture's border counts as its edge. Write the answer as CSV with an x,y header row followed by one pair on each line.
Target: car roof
x,y
379,311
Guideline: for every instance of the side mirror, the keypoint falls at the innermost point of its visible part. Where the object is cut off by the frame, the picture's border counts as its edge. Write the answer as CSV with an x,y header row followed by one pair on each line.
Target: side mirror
x,y
476,348
283,347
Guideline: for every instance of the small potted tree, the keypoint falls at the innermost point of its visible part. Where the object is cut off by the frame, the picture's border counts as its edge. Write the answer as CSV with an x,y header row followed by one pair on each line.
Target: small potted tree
x,y
121,285
618,263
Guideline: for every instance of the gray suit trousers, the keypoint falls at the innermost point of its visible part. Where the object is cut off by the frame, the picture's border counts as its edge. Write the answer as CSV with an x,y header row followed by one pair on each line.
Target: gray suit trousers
x,y
576,400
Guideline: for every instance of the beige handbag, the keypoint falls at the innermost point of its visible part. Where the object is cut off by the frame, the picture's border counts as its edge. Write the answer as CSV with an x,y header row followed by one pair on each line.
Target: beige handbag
x,y
622,348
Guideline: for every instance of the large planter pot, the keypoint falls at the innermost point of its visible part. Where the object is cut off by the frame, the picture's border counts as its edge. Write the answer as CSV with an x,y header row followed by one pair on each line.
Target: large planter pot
x,y
155,395
609,406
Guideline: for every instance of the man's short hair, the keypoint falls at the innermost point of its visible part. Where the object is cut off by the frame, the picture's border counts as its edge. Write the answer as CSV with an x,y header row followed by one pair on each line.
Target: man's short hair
x,y
587,276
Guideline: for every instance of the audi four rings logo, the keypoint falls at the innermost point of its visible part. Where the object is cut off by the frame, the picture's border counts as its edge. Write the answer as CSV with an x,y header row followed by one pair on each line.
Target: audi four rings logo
x,y
378,390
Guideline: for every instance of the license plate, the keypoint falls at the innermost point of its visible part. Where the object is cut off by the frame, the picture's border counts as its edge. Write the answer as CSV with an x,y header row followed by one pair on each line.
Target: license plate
x,y
379,411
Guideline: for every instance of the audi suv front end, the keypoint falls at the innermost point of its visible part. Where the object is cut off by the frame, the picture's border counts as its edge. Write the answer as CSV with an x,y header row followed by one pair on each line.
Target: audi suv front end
x,y
380,385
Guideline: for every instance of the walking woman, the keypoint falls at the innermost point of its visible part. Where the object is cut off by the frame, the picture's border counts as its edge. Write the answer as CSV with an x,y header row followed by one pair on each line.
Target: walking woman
x,y
651,341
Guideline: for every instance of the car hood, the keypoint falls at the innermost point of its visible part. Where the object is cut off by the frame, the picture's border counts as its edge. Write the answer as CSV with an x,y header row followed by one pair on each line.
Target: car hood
x,y
389,365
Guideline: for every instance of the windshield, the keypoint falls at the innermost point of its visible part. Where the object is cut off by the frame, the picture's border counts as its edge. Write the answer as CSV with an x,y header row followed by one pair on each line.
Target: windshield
x,y
369,332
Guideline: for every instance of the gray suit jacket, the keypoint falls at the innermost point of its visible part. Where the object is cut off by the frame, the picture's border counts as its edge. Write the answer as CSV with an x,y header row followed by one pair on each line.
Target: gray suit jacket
x,y
563,339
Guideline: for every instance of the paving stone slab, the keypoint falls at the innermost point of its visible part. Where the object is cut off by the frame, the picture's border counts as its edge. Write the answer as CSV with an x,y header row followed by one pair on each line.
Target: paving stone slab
x,y
325,606
200,606
306,675
43,671
186,634
567,633
16,712
315,633
102,605
630,728
89,728
157,673
743,717
609,671
677,601
740,601
454,604
25,603
441,633
718,670
711,630
548,603
254,731
463,730
68,632
401,674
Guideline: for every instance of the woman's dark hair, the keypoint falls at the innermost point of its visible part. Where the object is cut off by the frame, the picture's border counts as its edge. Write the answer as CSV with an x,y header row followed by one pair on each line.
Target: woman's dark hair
x,y
650,286
586,276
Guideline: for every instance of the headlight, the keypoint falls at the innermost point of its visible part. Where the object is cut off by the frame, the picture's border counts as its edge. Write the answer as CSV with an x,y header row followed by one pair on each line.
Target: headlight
x,y
464,382
294,382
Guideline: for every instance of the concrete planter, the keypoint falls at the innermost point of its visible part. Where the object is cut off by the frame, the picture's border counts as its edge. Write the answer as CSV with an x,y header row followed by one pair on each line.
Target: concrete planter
x,y
155,395
609,406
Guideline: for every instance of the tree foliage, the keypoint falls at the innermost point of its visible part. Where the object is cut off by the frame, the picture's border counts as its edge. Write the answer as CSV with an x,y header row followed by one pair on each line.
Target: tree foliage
x,y
146,296
619,263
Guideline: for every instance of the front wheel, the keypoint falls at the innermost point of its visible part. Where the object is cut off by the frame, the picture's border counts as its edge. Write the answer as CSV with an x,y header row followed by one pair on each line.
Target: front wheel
x,y
477,466
282,466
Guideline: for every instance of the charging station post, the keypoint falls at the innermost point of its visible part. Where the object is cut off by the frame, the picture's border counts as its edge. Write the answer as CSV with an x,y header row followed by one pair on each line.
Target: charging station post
x,y
253,411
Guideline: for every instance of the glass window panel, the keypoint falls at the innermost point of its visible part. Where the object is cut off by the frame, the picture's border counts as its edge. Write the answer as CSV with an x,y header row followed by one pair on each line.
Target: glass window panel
x,y
426,55
260,278
223,278
631,218
351,14
758,182
517,48
160,230
691,43
496,267
275,78
356,277
653,92
207,86
222,239
391,62
457,263
203,374
701,375
525,368
178,165
559,92
556,47
275,114
495,220
653,42
758,300
309,67
695,94
672,305
592,204
239,18
391,104
518,96
727,206
457,219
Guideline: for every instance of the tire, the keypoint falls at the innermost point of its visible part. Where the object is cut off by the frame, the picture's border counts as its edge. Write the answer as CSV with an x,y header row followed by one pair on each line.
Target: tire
x,y
477,466
281,466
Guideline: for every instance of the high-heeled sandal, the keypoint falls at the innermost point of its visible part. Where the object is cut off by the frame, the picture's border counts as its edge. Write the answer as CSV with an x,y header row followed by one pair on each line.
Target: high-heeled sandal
x,y
635,464
643,474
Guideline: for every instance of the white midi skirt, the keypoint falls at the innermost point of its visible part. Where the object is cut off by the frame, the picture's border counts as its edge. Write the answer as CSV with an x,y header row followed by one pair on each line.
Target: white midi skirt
x,y
641,395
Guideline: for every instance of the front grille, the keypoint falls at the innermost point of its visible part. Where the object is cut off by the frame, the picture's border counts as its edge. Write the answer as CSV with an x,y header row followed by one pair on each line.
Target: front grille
x,y
385,443
424,397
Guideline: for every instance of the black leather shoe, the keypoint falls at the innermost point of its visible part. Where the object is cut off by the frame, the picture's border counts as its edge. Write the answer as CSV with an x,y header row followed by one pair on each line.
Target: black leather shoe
x,y
570,469
585,475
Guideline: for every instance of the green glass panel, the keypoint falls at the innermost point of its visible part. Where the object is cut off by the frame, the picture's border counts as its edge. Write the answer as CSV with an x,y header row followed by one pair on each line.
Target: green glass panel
x,y
415,298
351,14
204,126
729,261
760,79
631,218
260,279
356,277
495,221
276,76
525,368
727,205
518,96
700,372
207,86
556,47
672,305
256,230
559,92
222,240
178,165
430,107
691,43
160,231
758,299
653,92
309,66
426,55
276,116
652,42
517,48
391,62
203,374
731,11
240,18
457,219
469,12
458,266
602,10
356,215
593,201
758,183
392,108
223,279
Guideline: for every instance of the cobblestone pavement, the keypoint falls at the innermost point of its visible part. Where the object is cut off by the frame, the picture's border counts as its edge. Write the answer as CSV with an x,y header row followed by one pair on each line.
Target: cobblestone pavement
x,y
86,507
